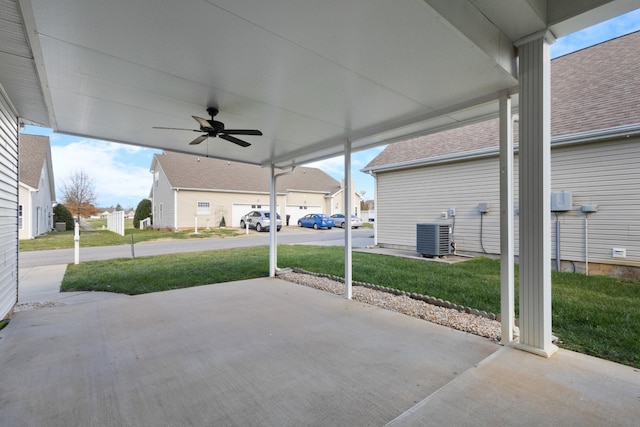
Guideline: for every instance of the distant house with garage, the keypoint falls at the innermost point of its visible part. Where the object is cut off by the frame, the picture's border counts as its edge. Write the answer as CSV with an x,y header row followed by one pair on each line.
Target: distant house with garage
x,y
189,190
36,186
452,177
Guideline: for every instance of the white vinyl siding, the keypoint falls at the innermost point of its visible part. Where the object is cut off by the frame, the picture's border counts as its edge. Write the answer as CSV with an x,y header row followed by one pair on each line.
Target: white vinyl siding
x,y
606,175
8,207
603,174
408,197
163,201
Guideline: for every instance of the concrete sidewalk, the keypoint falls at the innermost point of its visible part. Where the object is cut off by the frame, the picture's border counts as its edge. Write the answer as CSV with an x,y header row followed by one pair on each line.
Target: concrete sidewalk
x,y
267,352
42,285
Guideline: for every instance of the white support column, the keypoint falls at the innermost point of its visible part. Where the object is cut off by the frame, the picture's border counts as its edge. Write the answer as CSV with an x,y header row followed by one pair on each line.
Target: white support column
x,y
273,228
347,219
507,308
535,185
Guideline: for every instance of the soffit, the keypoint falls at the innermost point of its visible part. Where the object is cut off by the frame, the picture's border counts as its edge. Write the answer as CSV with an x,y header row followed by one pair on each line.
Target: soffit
x,y
308,74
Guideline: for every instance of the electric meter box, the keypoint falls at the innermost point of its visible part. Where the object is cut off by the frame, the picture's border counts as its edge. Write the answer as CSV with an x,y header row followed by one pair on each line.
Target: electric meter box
x,y
561,201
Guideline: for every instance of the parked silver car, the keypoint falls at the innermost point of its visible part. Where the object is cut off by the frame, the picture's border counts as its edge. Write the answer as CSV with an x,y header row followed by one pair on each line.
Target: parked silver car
x,y
339,220
260,220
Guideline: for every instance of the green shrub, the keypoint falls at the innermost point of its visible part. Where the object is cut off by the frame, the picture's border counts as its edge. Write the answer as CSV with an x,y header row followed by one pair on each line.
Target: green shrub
x,y
143,210
62,214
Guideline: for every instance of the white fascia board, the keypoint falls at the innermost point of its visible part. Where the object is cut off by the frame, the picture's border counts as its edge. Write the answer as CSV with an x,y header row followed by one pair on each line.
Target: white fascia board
x,y
215,190
620,132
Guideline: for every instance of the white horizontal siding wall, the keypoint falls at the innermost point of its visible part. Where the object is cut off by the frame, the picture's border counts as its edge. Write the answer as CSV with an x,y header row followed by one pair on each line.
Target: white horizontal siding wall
x,y
605,174
8,207
407,197
163,201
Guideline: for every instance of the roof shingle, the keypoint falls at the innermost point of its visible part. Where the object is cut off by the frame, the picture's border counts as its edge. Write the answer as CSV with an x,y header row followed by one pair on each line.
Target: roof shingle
x,y
203,173
591,89
33,154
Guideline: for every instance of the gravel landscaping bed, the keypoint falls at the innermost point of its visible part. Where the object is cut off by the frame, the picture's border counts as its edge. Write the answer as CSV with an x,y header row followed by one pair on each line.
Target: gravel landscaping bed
x,y
453,318
24,306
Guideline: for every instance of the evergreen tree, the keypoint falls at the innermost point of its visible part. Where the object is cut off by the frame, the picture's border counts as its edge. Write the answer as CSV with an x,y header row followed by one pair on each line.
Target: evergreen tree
x,y
62,214
142,211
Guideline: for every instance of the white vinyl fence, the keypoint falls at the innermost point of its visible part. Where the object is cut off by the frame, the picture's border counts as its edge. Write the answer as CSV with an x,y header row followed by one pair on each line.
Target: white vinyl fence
x,y
115,222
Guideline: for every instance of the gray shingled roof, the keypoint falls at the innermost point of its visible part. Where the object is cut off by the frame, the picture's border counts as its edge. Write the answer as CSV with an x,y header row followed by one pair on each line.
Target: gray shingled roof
x,y
33,154
592,89
194,172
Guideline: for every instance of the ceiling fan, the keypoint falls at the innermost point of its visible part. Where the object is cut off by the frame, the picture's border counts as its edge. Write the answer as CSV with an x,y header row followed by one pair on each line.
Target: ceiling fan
x,y
213,128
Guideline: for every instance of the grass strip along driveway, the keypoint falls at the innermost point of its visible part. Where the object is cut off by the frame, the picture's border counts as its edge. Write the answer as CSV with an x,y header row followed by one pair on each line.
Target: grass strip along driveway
x,y
595,315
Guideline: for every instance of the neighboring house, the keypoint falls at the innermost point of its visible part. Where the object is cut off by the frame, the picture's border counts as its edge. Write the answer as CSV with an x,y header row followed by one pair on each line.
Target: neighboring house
x,y
37,190
191,191
595,155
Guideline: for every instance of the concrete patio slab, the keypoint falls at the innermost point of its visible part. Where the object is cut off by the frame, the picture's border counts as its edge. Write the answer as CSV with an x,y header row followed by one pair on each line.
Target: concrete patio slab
x,y
257,352
267,352
514,388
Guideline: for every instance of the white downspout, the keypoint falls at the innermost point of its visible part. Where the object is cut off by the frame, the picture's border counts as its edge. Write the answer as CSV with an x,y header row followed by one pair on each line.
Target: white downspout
x,y
175,210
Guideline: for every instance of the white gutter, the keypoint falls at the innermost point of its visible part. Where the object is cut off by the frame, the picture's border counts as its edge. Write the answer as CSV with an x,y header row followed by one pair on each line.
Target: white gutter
x,y
619,132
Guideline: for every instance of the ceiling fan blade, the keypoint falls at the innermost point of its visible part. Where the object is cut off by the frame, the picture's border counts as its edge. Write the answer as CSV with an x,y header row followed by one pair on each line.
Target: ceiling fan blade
x,y
242,132
199,139
203,122
234,140
191,130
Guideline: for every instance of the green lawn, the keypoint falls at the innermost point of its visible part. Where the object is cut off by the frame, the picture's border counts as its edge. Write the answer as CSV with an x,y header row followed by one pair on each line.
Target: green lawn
x,y
596,315
100,237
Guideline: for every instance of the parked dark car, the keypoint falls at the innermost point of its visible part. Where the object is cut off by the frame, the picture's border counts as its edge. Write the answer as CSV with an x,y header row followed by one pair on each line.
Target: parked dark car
x,y
316,221
339,221
260,220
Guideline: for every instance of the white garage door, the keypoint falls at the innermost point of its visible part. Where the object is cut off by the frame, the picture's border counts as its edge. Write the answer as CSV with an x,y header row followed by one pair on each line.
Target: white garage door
x,y
296,212
239,210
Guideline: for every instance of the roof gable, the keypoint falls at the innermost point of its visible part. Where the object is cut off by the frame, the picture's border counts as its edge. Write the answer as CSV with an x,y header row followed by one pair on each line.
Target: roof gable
x,y
35,152
592,89
194,172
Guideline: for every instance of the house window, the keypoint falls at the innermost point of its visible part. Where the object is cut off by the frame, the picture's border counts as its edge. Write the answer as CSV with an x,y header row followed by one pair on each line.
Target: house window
x,y
156,177
20,217
204,208
256,206
160,211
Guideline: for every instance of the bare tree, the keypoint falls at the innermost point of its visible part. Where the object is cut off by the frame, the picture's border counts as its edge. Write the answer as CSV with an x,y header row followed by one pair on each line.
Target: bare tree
x,y
79,194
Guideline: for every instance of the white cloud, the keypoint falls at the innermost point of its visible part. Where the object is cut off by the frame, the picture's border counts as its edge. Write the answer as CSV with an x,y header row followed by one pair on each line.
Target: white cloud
x,y
115,177
599,33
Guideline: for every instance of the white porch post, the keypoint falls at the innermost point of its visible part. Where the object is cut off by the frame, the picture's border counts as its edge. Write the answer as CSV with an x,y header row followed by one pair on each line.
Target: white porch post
x,y
535,184
347,219
507,308
273,228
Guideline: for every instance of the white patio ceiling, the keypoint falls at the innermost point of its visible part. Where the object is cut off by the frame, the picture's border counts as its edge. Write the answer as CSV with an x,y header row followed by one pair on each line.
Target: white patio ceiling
x,y
309,74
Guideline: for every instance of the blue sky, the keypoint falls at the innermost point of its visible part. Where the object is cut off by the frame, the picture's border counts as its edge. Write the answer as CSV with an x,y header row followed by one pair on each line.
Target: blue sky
x,y
120,172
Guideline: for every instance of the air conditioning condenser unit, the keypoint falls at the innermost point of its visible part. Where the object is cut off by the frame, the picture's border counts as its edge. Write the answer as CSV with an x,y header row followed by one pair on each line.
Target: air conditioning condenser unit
x,y
433,239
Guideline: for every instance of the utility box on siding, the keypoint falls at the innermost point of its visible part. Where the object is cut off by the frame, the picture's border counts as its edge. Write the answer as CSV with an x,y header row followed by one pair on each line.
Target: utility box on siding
x,y
561,201
433,239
